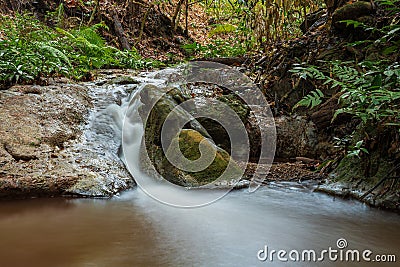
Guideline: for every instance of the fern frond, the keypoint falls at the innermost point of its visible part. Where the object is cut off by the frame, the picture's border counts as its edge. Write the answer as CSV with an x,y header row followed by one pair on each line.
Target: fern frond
x,y
53,51
65,33
91,36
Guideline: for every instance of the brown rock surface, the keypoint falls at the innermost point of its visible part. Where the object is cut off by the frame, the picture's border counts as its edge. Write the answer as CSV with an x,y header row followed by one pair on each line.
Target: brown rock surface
x,y
35,124
41,144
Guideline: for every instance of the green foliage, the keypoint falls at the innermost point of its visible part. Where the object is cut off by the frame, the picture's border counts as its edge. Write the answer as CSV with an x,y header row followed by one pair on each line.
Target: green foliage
x,y
388,35
357,149
222,29
370,91
30,50
259,22
312,100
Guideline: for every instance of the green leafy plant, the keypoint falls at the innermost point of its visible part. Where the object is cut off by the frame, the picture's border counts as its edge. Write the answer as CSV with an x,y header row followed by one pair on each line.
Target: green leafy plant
x,y
357,149
30,50
370,92
311,100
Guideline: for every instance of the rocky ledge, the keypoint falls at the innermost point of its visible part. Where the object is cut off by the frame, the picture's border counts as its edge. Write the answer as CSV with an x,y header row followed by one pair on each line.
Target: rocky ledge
x,y
41,134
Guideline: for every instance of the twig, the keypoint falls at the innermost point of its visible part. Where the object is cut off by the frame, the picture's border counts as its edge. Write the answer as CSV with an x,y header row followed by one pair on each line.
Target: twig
x,y
175,17
120,31
93,12
144,18
186,17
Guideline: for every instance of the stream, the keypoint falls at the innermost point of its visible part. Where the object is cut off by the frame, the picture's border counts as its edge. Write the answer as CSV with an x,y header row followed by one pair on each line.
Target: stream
x,y
133,229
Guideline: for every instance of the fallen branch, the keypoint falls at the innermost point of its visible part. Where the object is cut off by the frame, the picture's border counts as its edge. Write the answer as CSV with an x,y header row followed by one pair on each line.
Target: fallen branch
x,y
387,177
225,60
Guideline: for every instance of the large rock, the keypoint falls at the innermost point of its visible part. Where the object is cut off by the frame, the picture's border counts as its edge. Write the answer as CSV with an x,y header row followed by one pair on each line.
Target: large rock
x,y
35,123
41,145
158,104
355,11
296,137
216,130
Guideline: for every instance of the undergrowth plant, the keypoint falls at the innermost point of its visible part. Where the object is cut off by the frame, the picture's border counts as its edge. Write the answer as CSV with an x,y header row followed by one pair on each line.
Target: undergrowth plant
x,y
260,22
370,90
29,50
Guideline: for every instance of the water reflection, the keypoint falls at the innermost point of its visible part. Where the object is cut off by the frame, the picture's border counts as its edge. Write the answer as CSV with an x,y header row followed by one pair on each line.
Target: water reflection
x,y
135,230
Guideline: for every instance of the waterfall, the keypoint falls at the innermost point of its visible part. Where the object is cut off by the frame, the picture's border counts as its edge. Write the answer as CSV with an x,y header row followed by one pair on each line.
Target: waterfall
x,y
158,188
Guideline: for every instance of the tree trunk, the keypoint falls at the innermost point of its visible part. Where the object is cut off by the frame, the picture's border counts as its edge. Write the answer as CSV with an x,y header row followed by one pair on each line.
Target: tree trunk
x,y
120,31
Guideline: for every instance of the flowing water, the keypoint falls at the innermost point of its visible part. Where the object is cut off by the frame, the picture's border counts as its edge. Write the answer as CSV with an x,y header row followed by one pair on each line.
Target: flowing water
x,y
133,229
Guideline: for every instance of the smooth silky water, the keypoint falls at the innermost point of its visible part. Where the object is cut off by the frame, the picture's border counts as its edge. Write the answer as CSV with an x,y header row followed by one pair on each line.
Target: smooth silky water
x,y
133,229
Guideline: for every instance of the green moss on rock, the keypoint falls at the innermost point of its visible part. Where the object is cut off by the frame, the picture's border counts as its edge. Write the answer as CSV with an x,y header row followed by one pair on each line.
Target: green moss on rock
x,y
189,142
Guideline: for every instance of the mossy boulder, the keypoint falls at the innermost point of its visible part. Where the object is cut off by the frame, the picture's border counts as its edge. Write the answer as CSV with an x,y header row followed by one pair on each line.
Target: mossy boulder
x,y
353,11
158,103
216,130
190,142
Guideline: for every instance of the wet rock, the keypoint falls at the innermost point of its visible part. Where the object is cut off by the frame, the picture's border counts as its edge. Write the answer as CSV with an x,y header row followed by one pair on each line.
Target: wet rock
x,y
215,129
41,127
121,80
165,100
158,104
29,116
296,137
371,179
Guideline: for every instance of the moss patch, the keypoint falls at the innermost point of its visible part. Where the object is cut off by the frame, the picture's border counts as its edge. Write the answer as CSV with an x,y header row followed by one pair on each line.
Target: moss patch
x,y
189,142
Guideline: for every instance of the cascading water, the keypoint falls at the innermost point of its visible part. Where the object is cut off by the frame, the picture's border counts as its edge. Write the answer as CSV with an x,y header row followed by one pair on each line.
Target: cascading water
x,y
132,135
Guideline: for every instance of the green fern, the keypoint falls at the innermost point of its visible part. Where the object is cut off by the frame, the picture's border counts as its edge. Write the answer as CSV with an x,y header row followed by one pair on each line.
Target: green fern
x,y
50,49
311,100
90,34
371,94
